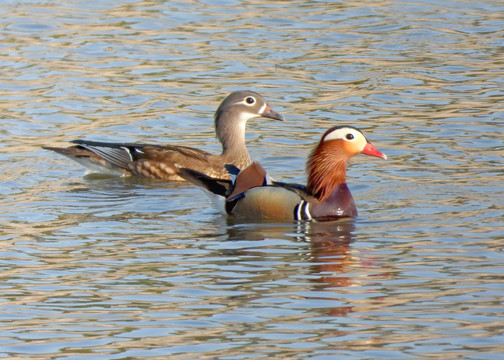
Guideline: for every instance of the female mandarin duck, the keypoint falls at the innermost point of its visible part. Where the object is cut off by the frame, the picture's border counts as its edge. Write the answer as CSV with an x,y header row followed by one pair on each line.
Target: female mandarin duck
x,y
325,197
164,161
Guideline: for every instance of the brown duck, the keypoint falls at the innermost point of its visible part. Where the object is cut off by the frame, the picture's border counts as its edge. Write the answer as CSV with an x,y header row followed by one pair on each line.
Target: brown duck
x,y
164,161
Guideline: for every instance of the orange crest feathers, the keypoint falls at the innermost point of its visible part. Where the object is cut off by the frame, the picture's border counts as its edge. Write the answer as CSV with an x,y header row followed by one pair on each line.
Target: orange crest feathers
x,y
326,168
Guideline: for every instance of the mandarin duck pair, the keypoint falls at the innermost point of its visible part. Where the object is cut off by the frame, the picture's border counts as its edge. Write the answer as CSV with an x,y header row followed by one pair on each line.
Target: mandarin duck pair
x,y
245,187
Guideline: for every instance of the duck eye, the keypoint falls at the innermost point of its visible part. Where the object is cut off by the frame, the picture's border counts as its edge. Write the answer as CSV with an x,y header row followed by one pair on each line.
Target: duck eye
x,y
349,136
250,100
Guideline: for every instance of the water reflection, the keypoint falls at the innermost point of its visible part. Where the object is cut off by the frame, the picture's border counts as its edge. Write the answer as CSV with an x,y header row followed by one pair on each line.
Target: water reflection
x,y
328,251
116,269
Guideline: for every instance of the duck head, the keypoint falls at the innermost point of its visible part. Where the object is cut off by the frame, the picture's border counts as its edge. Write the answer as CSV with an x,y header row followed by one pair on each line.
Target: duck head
x,y
234,112
326,165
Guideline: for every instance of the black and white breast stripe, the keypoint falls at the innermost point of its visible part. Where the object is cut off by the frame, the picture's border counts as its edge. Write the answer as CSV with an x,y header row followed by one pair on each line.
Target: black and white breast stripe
x,y
302,211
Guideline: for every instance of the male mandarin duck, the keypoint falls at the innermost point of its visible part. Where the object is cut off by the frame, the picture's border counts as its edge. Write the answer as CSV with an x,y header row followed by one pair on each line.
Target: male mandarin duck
x,y
325,197
164,161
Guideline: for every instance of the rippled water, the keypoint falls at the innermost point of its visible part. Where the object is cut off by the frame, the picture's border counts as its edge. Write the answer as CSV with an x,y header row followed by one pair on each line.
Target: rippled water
x,y
116,268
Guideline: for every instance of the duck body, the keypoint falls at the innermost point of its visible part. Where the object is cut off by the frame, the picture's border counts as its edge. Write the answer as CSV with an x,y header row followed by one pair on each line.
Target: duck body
x,y
280,203
164,161
326,196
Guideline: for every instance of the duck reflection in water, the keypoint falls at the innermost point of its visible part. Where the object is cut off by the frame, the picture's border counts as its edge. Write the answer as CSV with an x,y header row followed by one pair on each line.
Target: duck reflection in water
x,y
327,252
330,253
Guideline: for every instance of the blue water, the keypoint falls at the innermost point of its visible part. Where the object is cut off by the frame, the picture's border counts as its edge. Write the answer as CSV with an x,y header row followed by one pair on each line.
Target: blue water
x,y
114,268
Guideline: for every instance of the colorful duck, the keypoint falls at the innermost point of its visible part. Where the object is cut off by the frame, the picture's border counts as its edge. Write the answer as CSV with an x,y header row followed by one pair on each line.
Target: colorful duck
x,y
325,197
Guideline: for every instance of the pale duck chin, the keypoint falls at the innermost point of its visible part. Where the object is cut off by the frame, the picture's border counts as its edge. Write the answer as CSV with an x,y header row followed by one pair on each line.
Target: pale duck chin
x,y
263,108
244,117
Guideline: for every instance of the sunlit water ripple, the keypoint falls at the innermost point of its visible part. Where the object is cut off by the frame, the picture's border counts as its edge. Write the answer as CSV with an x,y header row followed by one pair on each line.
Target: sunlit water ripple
x,y
115,268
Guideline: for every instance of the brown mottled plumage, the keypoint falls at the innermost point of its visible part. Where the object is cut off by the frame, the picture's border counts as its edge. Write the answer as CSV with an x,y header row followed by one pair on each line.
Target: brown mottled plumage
x,y
164,161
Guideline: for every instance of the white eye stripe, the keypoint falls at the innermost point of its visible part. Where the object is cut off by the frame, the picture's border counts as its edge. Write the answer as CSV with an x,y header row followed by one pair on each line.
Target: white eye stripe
x,y
244,102
253,113
342,133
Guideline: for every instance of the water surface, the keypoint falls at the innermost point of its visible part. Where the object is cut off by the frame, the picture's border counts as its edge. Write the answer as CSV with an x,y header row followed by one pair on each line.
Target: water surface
x,y
115,268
